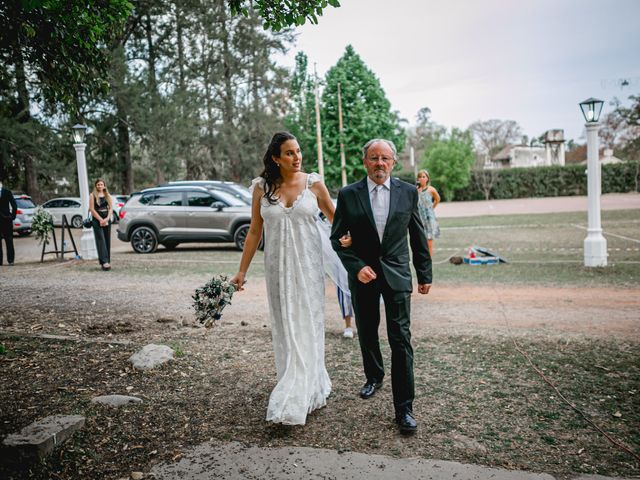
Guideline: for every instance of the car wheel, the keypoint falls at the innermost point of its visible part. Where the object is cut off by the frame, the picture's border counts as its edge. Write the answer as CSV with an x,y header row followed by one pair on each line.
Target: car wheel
x,y
144,240
170,245
76,221
240,236
24,233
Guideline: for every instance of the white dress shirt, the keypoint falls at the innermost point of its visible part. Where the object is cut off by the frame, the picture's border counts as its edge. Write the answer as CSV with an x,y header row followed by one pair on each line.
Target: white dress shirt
x,y
379,196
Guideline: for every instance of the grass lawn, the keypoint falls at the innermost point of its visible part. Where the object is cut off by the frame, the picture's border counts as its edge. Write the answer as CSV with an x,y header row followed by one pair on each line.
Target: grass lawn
x,y
541,249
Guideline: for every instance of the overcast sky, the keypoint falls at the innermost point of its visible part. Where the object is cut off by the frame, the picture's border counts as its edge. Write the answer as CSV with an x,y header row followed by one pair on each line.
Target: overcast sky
x,y
529,61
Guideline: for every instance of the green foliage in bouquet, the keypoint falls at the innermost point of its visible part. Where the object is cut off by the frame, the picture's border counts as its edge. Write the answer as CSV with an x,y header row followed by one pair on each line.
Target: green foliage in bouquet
x,y
42,225
210,300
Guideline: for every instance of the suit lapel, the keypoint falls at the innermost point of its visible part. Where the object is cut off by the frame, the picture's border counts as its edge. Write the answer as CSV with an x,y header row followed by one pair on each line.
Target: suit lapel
x,y
363,196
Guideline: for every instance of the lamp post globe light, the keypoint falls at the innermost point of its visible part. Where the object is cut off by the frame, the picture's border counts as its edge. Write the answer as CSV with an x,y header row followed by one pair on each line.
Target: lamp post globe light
x,y
595,245
88,249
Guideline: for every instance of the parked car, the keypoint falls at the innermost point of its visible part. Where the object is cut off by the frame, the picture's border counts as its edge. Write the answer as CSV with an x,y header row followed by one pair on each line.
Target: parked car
x,y
25,211
172,215
235,189
117,202
69,206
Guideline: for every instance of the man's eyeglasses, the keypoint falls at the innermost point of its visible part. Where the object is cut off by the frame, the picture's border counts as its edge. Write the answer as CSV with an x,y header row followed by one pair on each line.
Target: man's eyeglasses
x,y
376,159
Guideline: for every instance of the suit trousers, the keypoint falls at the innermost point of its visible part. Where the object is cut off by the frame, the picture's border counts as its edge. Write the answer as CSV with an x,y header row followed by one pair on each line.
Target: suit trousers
x,y
6,233
366,303
103,241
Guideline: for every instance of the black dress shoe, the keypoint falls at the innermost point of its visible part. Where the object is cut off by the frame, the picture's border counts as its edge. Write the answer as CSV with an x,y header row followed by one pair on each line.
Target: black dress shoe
x,y
406,423
369,389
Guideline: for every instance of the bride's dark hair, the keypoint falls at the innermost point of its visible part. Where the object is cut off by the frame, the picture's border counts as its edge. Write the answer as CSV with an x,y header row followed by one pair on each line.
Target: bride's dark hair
x,y
271,172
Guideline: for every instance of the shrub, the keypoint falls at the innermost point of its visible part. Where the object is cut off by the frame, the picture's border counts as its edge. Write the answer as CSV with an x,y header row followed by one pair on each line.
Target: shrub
x,y
551,181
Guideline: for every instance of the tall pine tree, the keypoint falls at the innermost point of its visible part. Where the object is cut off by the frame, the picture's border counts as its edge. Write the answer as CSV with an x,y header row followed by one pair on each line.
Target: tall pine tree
x,y
366,114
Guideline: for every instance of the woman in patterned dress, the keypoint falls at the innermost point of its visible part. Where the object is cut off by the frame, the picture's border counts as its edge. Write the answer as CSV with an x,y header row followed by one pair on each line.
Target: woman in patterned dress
x,y
428,200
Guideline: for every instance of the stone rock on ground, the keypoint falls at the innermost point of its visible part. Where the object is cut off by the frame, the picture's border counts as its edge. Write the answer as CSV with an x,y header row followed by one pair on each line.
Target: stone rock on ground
x,y
151,356
115,400
38,439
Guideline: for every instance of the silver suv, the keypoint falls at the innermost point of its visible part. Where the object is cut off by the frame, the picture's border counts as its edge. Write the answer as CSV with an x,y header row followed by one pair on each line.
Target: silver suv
x,y
180,214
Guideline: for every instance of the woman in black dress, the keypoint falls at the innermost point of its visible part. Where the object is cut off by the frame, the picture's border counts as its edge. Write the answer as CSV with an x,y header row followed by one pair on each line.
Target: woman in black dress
x,y
101,209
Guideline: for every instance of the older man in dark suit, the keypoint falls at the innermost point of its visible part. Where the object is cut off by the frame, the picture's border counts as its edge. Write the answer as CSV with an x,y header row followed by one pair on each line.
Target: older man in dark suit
x,y
378,212
8,212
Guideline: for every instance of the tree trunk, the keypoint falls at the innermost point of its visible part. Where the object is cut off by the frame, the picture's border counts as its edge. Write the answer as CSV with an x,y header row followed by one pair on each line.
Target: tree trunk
x,y
122,125
124,150
189,161
153,90
213,171
228,95
24,116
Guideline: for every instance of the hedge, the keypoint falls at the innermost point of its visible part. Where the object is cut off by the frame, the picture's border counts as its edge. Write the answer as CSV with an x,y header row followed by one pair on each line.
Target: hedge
x,y
545,181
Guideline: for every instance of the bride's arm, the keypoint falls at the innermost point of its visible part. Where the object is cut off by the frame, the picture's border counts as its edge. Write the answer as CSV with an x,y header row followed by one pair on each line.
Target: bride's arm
x,y
326,205
324,200
252,240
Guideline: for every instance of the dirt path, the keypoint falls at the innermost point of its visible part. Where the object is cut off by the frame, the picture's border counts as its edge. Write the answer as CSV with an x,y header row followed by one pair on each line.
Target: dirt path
x,y
448,309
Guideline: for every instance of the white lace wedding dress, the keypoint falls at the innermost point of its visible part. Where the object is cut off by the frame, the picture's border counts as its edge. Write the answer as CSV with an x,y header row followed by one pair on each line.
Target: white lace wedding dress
x,y
295,288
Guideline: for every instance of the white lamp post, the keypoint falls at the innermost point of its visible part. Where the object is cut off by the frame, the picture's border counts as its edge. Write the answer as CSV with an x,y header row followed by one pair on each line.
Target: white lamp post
x,y
595,245
87,242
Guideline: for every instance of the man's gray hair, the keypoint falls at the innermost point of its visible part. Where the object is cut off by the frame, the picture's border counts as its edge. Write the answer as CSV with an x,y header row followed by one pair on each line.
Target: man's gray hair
x,y
367,145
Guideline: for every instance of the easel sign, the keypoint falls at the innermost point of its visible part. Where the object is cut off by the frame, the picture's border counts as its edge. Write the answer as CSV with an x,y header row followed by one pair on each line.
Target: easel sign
x,y
62,251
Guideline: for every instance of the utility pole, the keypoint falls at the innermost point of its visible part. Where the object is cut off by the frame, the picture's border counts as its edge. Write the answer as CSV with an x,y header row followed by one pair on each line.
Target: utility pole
x,y
412,161
318,128
343,162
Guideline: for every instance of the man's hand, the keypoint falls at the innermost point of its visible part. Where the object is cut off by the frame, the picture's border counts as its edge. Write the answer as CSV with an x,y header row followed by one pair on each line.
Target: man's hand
x,y
366,274
424,288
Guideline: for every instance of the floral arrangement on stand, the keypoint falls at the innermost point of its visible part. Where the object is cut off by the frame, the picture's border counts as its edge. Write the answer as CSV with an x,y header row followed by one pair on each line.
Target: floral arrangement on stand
x,y
42,225
210,299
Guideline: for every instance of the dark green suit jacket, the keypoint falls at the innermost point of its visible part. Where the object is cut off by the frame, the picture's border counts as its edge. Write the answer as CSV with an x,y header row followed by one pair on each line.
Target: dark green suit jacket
x,y
389,257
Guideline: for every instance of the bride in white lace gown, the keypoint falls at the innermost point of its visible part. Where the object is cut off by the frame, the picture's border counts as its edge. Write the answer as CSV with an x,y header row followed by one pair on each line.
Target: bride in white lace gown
x,y
285,204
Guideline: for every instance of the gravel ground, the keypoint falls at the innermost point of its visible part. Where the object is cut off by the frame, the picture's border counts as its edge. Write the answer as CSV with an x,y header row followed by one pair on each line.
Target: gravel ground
x,y
478,398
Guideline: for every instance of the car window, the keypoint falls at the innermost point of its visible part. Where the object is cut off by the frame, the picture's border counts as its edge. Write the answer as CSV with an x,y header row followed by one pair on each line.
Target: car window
x,y
52,204
200,199
24,203
167,199
74,204
146,199
227,198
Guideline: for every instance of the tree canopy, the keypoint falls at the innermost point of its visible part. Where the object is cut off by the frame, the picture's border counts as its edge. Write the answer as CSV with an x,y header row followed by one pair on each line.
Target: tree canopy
x,y
61,43
449,161
277,15
366,114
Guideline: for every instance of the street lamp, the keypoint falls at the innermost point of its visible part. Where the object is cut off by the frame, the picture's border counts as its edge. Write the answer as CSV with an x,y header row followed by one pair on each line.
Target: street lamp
x,y
591,109
595,245
87,242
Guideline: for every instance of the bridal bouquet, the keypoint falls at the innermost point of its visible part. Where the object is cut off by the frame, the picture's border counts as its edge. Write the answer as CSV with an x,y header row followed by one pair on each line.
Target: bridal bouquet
x,y
210,299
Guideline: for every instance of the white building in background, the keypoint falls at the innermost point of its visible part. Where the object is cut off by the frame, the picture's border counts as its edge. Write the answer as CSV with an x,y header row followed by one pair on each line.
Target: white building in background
x,y
606,158
513,156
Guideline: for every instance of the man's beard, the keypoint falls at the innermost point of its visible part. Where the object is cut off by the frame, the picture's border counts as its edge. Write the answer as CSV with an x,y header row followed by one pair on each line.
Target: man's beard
x,y
380,173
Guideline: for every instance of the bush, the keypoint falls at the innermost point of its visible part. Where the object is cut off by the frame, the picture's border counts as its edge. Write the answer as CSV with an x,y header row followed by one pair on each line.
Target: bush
x,y
552,181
